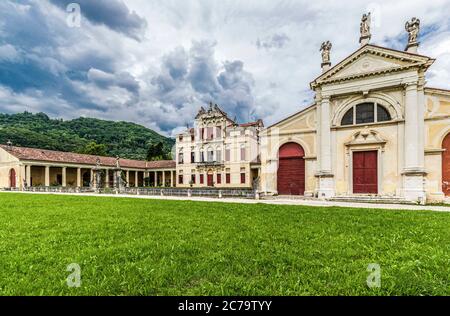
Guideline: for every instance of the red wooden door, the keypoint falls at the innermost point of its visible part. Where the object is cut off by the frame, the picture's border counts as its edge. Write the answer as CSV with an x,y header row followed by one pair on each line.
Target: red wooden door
x,y
365,172
446,166
12,178
291,170
210,180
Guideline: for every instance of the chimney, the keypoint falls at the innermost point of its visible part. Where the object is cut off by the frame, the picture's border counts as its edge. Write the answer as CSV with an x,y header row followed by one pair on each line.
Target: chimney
x,y
413,29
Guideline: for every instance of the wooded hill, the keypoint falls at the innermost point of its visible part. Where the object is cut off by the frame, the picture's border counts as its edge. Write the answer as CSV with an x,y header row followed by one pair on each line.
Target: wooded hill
x,y
83,135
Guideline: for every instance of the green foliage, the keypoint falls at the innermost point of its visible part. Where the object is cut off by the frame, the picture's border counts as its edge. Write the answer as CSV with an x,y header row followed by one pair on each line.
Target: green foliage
x,y
153,247
124,139
157,152
95,149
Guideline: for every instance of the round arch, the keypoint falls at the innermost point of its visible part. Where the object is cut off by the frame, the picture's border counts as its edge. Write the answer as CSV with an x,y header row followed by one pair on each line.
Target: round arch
x,y
12,178
384,100
446,165
291,169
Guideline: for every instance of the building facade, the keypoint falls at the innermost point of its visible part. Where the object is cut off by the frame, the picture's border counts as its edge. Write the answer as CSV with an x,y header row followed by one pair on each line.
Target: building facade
x,y
375,129
218,152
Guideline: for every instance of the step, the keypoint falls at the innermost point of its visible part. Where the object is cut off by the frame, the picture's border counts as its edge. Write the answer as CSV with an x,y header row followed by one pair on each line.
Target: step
x,y
371,199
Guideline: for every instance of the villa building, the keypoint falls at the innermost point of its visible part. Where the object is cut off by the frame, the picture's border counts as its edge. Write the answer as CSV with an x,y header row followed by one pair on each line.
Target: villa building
x,y
218,152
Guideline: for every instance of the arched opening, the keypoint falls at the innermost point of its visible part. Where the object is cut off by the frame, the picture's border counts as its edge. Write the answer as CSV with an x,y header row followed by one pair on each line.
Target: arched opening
x,y
12,178
446,165
291,170
365,113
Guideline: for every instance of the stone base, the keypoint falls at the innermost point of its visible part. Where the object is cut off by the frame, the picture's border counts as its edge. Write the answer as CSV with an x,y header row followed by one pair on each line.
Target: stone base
x,y
414,187
326,186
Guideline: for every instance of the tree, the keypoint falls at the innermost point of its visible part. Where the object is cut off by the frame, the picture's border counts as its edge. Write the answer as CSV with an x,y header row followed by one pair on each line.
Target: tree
x,y
95,149
156,152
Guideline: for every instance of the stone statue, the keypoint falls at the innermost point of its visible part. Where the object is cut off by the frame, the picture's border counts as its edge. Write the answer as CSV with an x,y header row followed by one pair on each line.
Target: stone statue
x,y
325,49
365,26
413,28
118,162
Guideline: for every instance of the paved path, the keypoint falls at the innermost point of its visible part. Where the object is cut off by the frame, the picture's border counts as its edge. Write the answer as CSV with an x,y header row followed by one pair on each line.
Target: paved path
x,y
277,201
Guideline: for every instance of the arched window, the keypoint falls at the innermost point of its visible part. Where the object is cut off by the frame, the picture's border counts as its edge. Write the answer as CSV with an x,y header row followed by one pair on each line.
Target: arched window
x,y
365,113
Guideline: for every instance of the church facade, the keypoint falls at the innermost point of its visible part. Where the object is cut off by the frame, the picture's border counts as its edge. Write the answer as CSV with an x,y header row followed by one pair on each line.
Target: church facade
x,y
374,129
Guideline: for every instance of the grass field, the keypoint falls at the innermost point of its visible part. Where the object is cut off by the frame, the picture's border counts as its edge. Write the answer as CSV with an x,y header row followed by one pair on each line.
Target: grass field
x,y
150,247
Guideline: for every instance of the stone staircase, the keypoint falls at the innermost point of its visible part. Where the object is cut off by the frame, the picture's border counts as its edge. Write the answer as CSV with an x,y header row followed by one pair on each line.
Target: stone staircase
x,y
371,199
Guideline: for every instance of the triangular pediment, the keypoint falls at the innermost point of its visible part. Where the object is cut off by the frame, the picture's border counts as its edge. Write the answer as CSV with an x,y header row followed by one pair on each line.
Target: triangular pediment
x,y
303,120
372,60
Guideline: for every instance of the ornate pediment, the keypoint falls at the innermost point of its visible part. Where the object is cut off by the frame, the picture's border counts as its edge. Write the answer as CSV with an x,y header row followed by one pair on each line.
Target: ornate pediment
x,y
366,137
372,60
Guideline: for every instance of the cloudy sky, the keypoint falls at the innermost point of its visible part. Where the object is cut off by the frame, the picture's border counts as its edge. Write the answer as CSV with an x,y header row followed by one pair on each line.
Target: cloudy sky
x,y
156,62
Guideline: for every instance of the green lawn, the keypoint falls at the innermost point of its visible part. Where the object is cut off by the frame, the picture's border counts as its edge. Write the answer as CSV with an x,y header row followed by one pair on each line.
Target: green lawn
x,y
149,247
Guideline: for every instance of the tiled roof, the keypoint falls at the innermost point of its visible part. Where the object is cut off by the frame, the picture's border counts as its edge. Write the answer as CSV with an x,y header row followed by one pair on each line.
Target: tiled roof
x,y
34,154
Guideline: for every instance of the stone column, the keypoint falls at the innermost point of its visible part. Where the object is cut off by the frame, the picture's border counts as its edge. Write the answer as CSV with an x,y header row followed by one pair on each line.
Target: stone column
x,y
325,174
171,179
28,175
64,177
22,178
47,176
107,179
79,178
164,178
136,179
92,178
156,178
414,172
128,178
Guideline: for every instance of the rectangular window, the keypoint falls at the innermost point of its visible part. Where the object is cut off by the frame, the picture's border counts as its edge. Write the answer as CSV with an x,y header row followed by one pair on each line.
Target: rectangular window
x,y
210,132
218,132
180,138
202,179
192,137
243,178
202,157
210,156
180,179
227,155
180,159
219,178
365,113
242,153
192,157
193,179
219,156
228,178
202,133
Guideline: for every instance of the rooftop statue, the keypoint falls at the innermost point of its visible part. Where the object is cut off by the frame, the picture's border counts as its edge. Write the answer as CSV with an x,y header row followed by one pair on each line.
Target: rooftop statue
x,y
325,49
365,29
413,28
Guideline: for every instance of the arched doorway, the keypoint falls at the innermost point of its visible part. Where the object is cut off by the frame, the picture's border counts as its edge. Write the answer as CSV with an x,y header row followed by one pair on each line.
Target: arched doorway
x,y
446,166
12,178
291,170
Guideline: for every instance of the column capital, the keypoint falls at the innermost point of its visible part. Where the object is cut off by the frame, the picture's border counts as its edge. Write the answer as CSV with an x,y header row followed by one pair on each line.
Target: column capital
x,y
411,85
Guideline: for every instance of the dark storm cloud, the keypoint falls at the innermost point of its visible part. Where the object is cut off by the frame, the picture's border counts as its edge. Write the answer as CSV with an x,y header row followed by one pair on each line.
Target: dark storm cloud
x,y
190,79
275,41
111,13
